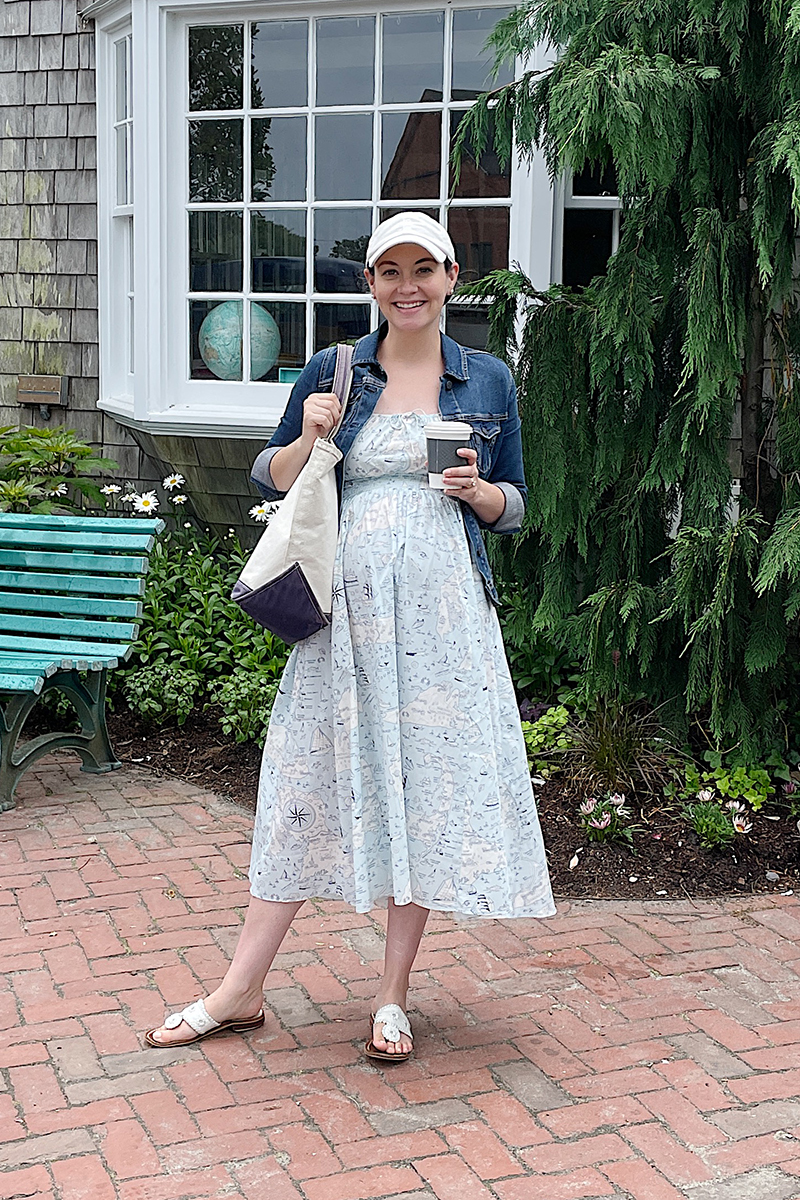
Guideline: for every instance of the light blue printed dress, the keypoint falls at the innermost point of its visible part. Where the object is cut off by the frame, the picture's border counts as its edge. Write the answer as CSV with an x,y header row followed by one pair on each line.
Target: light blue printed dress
x,y
394,764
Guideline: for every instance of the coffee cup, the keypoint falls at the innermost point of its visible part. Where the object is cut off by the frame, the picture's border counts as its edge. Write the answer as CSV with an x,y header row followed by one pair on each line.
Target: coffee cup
x,y
445,439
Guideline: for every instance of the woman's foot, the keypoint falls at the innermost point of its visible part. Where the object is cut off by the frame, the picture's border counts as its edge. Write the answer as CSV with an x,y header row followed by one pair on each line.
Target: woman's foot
x,y
401,1043
221,1007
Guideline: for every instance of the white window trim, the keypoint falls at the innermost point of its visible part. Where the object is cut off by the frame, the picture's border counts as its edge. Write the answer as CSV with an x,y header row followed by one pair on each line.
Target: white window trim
x,y
157,397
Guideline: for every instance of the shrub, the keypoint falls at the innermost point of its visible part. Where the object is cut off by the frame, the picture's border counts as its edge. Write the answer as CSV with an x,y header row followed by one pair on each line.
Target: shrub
x,y
752,784
246,698
44,470
545,737
621,748
162,689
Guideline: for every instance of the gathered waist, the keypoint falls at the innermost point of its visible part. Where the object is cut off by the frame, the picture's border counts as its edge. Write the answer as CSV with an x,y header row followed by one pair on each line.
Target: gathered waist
x,y
417,482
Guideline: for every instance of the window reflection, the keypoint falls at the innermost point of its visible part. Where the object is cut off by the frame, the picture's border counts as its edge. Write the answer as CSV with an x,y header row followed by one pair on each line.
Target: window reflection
x,y
595,181
413,51
278,248
344,157
472,65
468,323
411,155
480,238
279,158
339,323
215,251
479,178
345,60
587,244
216,67
340,246
215,160
280,64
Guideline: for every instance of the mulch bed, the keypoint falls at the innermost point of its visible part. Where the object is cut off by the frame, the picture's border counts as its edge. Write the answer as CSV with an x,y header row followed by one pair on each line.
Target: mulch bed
x,y
664,862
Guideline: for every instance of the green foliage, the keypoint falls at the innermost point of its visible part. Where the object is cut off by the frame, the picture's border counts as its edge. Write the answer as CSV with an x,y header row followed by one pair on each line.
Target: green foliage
x,y
752,784
631,387
193,638
246,699
162,689
540,669
711,823
545,738
606,819
47,470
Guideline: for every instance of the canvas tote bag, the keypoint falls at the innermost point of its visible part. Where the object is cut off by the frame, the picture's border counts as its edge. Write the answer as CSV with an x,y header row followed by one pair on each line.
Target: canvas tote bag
x,y
287,582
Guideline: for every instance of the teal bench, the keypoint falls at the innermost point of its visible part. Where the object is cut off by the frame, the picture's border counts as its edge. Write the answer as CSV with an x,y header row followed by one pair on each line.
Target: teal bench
x,y
70,599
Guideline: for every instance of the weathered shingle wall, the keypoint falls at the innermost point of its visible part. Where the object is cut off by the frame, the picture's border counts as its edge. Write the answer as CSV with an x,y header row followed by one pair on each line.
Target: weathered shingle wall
x,y
48,217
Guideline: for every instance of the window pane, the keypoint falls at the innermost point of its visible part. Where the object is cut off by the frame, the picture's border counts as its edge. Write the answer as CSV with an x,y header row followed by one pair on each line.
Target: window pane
x,y
340,246
339,323
587,244
411,155
468,324
480,237
215,251
472,65
280,64
121,55
216,67
279,158
215,330
277,338
345,60
215,160
595,181
484,178
278,247
413,53
344,157
121,135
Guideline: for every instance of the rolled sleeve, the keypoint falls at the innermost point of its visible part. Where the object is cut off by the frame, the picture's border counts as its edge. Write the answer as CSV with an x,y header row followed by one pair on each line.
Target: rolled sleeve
x,y
261,475
510,520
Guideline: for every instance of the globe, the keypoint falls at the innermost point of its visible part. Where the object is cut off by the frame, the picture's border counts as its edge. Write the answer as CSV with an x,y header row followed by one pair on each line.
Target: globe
x,y
220,340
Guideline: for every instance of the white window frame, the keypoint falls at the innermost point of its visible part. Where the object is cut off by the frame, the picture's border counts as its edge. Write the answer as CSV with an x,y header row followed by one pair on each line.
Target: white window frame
x,y
157,395
565,198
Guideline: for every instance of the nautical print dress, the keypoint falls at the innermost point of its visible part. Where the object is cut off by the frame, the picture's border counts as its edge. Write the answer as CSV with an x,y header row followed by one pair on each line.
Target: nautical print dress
x,y
395,764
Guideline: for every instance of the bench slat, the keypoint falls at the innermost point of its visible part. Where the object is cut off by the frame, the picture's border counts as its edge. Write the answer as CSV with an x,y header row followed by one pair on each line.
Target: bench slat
x,y
53,521
115,585
64,649
81,605
48,664
12,622
93,563
69,539
21,683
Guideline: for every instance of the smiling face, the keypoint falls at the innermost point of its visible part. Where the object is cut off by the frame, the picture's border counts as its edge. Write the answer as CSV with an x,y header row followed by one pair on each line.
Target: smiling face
x,y
410,286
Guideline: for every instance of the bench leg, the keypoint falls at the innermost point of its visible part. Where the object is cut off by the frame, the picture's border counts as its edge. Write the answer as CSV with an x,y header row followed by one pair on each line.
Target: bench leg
x,y
91,742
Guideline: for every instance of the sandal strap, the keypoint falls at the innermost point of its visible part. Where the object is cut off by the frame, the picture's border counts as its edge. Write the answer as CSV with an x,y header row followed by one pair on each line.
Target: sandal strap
x,y
196,1017
394,1022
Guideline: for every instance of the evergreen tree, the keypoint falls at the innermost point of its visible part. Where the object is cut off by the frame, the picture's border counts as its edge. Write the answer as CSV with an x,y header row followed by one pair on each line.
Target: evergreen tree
x,y
633,555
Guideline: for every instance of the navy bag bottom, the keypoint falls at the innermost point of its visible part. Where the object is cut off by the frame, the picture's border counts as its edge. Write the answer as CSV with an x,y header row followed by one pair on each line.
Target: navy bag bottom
x,y
285,606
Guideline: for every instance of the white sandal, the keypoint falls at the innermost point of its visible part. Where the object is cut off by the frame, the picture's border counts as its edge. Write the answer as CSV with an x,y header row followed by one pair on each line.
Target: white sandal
x,y
197,1018
394,1022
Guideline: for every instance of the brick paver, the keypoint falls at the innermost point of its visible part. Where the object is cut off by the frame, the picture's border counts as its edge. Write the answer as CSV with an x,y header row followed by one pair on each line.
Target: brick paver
x,y
644,1050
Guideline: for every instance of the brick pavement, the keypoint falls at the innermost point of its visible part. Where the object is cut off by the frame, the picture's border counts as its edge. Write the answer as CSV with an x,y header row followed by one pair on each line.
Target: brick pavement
x,y
642,1050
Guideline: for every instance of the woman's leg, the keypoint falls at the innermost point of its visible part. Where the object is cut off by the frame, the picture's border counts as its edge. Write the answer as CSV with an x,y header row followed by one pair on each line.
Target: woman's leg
x,y
241,992
403,933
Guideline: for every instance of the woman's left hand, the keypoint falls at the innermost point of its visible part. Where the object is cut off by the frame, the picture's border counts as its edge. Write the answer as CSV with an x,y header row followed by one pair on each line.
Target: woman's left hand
x,y
464,482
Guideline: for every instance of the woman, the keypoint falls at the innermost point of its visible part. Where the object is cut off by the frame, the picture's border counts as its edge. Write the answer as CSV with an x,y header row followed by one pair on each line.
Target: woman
x,y
394,770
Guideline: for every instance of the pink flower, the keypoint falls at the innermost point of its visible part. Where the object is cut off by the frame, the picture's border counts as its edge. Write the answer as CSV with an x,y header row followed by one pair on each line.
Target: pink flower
x,y
706,795
588,807
618,799
601,822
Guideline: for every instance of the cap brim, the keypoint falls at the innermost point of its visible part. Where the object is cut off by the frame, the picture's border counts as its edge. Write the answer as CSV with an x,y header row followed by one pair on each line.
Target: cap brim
x,y
375,253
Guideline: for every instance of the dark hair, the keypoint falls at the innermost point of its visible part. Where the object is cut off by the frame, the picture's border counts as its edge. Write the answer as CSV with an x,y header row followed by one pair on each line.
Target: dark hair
x,y
447,264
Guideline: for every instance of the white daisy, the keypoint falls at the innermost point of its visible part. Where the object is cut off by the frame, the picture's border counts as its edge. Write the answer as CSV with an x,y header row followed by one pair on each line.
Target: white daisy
x,y
59,490
179,499
261,512
130,498
147,502
173,481
111,489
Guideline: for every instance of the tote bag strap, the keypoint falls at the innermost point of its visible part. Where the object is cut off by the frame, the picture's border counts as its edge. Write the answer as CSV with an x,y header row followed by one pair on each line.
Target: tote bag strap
x,y
342,382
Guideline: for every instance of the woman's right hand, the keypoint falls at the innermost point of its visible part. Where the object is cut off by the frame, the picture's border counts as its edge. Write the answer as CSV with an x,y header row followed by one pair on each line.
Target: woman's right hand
x,y
320,413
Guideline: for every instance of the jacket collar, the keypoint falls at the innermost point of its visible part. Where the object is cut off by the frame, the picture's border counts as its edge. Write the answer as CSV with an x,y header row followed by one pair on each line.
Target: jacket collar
x,y
365,353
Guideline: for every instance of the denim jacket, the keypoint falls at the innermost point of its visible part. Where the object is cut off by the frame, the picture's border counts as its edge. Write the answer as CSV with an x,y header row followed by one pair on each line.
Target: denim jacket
x,y
475,387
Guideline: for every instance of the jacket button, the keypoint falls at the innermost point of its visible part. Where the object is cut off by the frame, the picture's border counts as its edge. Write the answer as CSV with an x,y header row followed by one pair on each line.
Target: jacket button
x,y
448,385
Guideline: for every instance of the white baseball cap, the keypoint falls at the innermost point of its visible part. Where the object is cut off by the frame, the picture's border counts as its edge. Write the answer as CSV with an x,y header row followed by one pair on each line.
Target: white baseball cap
x,y
416,228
